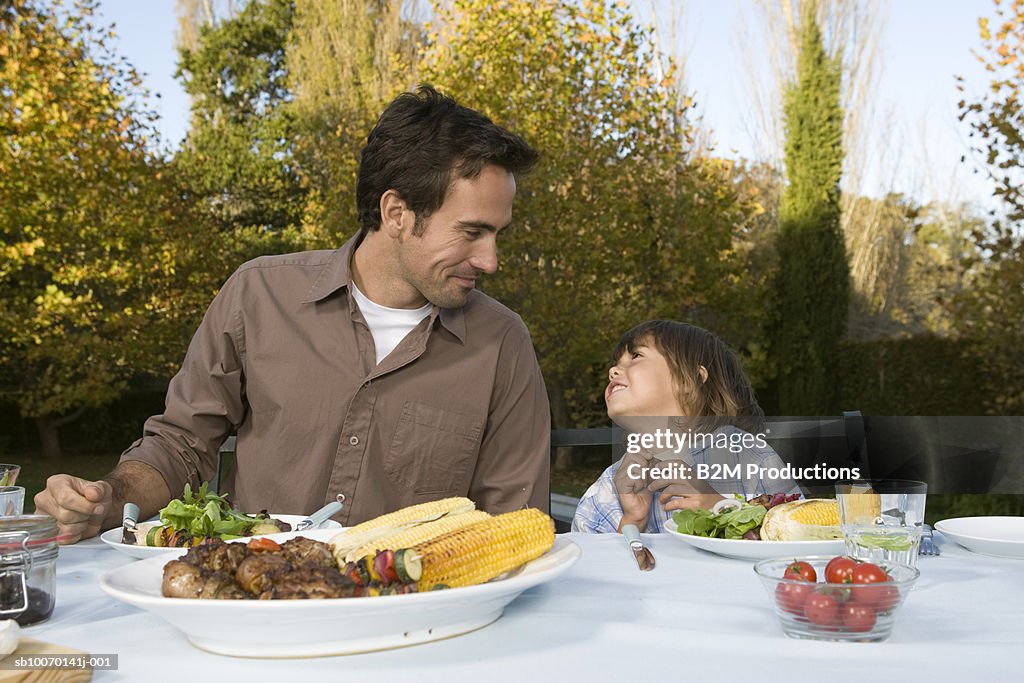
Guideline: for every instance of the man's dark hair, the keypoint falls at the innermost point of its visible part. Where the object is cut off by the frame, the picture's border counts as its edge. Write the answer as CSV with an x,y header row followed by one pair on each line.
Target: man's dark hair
x,y
422,143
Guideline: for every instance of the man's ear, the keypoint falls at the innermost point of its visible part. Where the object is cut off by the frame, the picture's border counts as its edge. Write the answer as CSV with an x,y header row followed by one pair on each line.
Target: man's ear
x,y
393,210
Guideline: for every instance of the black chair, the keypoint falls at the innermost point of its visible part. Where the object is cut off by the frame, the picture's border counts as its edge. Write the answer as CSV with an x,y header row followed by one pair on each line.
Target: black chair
x,y
563,507
835,442
225,462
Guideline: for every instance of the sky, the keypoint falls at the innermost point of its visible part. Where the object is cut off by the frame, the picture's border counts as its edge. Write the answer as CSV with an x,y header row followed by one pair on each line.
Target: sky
x,y
924,44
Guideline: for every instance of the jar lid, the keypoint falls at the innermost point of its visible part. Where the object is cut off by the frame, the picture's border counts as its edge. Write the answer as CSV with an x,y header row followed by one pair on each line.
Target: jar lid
x,y
42,529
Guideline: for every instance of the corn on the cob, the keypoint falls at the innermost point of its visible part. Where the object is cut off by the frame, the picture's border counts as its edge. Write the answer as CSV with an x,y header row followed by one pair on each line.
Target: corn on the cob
x,y
802,520
407,537
345,544
862,504
479,552
819,512
416,514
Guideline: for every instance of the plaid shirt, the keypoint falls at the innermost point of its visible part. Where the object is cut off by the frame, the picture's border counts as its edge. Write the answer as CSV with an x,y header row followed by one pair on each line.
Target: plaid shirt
x,y
599,510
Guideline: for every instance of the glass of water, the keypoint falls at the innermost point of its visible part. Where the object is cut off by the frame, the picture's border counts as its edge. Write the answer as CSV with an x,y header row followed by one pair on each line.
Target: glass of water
x,y
12,501
881,519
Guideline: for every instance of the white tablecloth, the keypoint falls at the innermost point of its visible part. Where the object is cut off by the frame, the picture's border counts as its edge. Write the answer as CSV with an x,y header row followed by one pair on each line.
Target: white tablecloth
x,y
695,617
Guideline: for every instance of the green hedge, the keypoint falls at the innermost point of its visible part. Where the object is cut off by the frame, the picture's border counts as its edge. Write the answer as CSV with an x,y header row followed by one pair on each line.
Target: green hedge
x,y
106,430
913,376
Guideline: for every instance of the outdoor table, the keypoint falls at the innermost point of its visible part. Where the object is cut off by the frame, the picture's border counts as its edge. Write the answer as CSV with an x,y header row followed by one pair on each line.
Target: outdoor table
x,y
697,616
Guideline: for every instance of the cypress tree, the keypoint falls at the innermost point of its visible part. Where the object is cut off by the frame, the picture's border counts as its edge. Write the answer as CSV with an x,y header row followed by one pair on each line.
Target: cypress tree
x,y
812,284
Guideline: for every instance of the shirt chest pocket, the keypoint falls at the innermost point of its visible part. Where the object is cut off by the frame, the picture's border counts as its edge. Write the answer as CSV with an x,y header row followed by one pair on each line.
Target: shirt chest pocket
x,y
434,450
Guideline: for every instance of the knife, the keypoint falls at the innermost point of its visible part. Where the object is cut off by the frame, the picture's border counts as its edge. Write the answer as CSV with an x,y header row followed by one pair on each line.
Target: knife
x,y
129,523
323,514
644,558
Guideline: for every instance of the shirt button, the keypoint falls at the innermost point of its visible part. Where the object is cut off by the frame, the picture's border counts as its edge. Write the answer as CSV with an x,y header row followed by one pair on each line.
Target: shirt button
x,y
354,440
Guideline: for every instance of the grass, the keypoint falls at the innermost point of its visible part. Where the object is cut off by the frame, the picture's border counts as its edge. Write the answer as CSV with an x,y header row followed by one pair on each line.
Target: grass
x,y
944,506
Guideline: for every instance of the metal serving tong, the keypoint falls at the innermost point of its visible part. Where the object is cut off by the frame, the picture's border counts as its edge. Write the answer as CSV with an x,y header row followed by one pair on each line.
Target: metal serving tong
x,y
644,558
323,514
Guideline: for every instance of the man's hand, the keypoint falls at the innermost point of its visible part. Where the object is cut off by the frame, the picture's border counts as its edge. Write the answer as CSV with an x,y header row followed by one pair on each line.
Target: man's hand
x,y
634,495
79,506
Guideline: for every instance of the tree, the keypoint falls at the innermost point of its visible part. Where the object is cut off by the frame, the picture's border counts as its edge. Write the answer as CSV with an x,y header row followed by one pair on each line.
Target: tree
x,y
812,284
193,15
743,316
618,207
345,60
851,33
617,224
990,312
238,159
92,232
919,264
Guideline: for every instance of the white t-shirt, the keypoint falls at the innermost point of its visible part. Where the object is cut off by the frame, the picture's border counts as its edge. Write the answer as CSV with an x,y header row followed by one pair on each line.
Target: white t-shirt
x,y
388,325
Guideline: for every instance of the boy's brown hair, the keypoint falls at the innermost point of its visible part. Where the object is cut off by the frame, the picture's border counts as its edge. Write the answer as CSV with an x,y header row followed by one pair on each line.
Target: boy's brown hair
x,y
726,395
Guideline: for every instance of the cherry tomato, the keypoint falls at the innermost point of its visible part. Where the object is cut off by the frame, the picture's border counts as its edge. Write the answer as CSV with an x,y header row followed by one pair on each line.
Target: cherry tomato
x,y
259,545
840,592
840,569
881,598
792,595
889,598
865,572
858,618
822,610
800,571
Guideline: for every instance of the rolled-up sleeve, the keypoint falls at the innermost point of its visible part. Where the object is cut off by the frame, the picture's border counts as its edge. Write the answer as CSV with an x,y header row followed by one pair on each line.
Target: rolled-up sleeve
x,y
205,400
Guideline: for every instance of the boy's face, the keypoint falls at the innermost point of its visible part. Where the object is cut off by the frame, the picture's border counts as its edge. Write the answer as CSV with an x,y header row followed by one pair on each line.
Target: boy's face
x,y
458,242
640,384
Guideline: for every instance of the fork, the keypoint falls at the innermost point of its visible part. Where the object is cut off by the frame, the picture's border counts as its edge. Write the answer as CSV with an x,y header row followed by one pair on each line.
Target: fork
x,y
928,546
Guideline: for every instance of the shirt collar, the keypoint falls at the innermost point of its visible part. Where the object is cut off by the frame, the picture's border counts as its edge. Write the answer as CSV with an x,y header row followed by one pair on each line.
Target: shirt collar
x,y
337,275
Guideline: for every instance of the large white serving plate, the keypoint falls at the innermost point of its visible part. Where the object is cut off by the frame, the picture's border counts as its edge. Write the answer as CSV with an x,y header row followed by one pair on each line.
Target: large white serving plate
x,y
998,536
756,550
112,537
312,628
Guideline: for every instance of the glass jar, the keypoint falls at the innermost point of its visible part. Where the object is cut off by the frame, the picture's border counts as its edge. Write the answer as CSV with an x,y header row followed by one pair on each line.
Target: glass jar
x,y
28,568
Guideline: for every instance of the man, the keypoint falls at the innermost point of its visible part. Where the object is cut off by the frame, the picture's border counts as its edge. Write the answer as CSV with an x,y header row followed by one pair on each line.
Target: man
x,y
377,371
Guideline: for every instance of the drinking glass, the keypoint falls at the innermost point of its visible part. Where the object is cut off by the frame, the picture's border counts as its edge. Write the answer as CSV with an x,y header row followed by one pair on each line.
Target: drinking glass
x,y
12,501
881,519
9,474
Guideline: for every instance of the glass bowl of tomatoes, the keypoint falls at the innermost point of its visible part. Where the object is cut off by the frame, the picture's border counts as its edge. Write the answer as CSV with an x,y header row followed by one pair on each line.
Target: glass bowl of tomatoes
x,y
836,598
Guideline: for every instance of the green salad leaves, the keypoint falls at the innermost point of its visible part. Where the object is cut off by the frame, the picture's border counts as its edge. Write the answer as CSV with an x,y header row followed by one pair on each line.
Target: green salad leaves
x,y
207,514
731,523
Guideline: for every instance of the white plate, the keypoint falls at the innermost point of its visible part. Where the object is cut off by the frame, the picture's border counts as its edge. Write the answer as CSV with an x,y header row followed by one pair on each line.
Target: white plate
x,y
311,628
112,537
757,550
999,536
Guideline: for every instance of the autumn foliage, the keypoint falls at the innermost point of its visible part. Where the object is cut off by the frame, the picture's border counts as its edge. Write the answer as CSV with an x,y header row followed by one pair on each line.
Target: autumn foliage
x,y
991,313
92,255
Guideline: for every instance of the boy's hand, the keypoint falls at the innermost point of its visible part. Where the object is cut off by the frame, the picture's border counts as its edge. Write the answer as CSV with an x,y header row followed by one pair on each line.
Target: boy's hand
x,y
634,494
684,494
